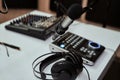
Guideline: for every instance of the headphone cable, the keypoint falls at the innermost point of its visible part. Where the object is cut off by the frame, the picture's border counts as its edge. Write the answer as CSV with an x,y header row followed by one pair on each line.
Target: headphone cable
x,y
35,65
6,8
87,72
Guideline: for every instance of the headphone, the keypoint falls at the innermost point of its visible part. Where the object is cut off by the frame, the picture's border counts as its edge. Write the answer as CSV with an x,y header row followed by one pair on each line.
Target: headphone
x,y
66,69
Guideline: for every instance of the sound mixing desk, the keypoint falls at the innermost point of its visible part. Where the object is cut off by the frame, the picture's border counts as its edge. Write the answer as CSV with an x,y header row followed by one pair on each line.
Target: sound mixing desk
x,y
18,66
33,25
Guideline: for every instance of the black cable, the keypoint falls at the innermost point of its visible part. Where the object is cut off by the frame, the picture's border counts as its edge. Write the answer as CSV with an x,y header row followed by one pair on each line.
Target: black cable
x,y
6,8
7,51
34,66
87,72
35,72
61,9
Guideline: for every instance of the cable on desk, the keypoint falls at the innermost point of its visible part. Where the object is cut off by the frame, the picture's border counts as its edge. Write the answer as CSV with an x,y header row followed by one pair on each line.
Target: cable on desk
x,y
34,66
6,8
38,74
86,68
7,51
87,72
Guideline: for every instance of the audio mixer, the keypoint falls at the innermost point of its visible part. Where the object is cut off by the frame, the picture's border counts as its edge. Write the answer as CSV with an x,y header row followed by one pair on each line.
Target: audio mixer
x,y
34,25
87,49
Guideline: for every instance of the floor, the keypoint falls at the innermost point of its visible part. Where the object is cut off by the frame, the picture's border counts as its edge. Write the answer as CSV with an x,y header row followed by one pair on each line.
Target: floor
x,y
114,69
113,72
13,13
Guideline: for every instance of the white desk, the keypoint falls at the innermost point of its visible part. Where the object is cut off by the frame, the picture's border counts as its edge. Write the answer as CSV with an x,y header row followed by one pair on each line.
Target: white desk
x,y
19,65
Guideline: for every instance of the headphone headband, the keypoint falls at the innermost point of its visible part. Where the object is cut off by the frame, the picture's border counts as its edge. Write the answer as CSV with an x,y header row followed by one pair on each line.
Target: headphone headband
x,y
48,61
42,64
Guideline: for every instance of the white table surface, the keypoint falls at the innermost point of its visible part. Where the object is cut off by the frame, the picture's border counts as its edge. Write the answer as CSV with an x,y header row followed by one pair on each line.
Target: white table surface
x,y
19,65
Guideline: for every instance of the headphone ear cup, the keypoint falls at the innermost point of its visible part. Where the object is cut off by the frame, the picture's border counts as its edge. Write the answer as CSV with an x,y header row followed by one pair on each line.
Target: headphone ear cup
x,y
64,70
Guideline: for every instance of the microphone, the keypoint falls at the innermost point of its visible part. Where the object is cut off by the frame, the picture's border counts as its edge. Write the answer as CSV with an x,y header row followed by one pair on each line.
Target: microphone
x,y
73,13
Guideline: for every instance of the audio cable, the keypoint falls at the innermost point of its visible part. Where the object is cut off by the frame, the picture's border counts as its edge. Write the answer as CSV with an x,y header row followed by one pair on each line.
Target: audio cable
x,y
34,66
87,72
6,8
36,63
72,50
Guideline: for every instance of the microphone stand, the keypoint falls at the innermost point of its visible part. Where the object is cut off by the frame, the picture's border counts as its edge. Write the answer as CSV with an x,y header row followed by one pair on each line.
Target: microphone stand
x,y
62,10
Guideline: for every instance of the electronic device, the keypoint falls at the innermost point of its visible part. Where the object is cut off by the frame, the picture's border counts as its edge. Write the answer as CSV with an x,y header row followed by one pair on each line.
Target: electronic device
x,y
89,50
67,67
73,13
34,25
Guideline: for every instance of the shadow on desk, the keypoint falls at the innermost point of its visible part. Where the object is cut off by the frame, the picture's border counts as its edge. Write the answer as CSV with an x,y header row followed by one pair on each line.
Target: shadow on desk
x,y
113,72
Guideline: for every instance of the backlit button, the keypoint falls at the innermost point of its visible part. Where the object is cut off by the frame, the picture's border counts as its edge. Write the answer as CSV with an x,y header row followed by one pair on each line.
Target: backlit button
x,y
93,45
62,45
